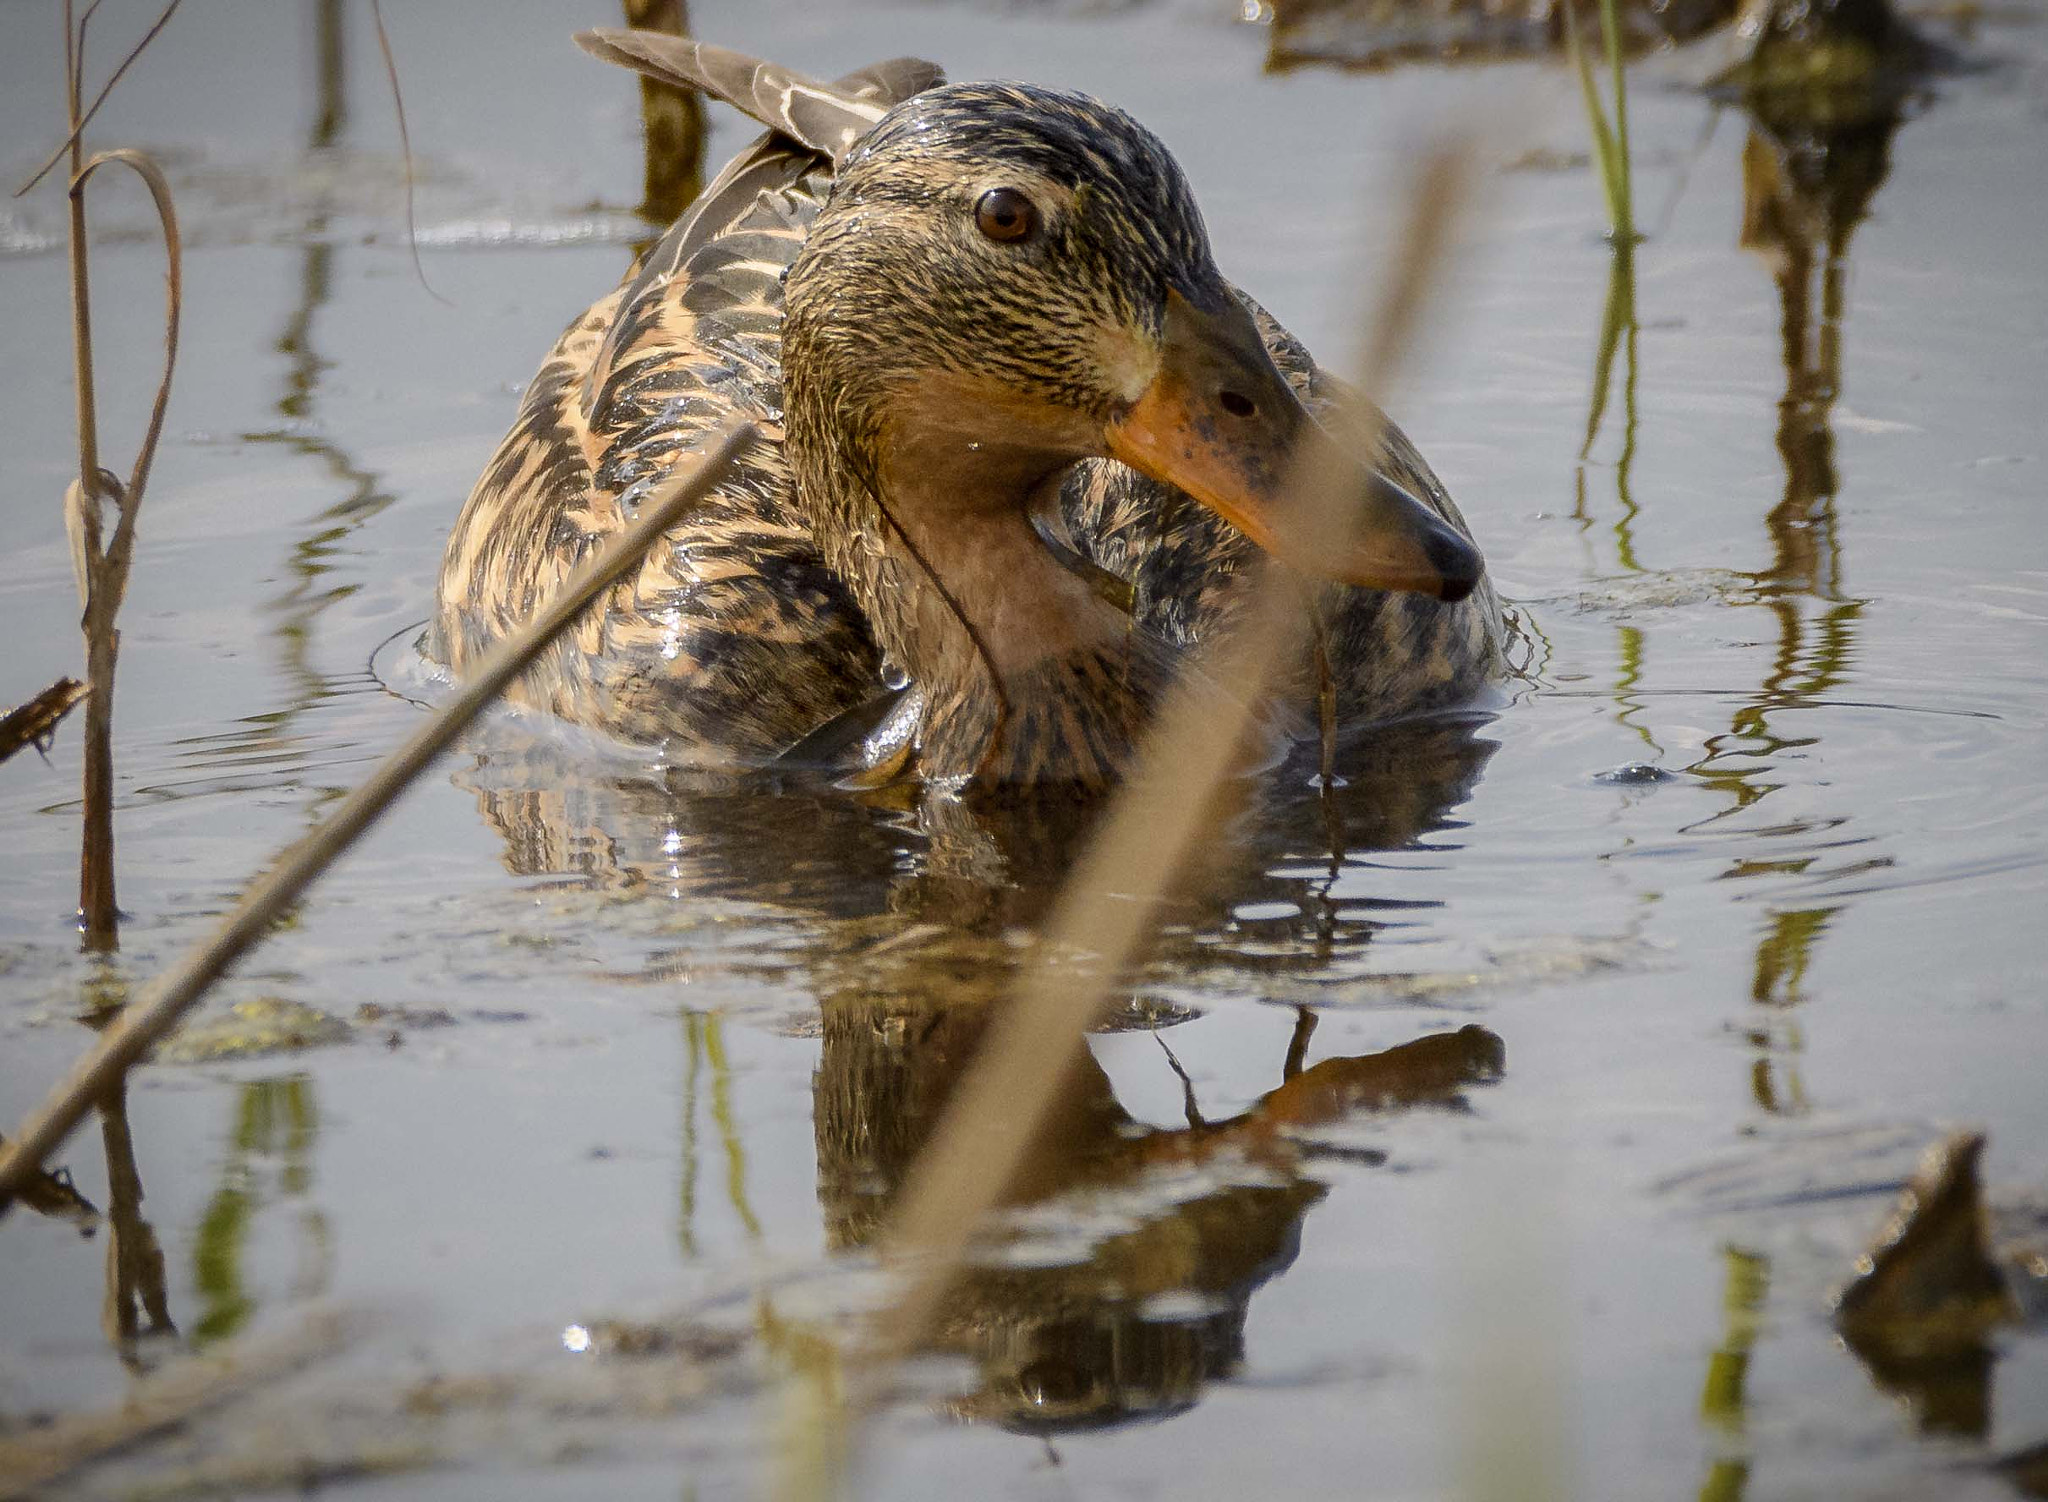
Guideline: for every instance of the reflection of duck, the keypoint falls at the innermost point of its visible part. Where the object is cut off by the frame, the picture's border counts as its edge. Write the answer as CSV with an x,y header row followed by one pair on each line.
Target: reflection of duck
x,y
990,291
1151,1310
945,880
902,924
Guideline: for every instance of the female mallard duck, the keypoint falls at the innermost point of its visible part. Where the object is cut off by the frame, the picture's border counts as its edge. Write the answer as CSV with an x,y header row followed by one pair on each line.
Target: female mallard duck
x,y
982,330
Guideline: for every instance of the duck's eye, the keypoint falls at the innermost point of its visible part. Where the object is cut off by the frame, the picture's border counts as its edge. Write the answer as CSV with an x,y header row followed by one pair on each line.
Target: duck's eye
x,y
1005,214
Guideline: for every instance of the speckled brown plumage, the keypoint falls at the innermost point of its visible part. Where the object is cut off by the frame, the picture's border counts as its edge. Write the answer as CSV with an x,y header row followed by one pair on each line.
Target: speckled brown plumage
x,y
768,612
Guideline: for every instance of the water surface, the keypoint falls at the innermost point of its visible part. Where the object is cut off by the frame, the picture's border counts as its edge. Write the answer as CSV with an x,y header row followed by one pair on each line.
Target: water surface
x,y
1744,885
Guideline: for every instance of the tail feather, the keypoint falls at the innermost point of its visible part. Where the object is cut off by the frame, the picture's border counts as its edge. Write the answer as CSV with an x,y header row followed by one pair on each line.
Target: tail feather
x,y
894,81
826,117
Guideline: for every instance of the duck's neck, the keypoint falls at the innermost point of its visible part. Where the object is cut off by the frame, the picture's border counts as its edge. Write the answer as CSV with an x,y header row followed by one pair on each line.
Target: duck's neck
x,y
1028,675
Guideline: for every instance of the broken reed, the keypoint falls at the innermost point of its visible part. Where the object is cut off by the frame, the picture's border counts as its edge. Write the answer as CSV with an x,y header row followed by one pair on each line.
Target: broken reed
x,y
102,571
35,722
1183,788
158,1006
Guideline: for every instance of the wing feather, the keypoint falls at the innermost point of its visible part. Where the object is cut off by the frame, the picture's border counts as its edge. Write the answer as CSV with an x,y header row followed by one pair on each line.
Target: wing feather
x,y
827,117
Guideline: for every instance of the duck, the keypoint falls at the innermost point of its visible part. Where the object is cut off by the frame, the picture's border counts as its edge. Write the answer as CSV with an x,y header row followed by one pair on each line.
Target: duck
x,y
1019,444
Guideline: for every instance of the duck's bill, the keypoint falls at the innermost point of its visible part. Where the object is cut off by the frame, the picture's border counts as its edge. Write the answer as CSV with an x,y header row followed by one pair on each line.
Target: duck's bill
x,y
1221,423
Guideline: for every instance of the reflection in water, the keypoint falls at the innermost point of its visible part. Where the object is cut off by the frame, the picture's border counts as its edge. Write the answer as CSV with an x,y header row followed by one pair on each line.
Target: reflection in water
x,y
1725,1402
1144,1302
137,1305
904,913
52,1194
894,892
275,1120
1807,186
1809,176
1618,336
268,740
686,1189
728,1127
1929,1295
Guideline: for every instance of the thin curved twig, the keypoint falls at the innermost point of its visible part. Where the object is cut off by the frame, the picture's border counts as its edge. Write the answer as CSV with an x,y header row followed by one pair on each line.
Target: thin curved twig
x,y
412,234
77,65
113,574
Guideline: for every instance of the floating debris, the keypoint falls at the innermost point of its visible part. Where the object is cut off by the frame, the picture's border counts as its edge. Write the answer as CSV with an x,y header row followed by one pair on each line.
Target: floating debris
x,y
1929,1284
1928,1295
1371,34
252,1029
54,1196
1635,774
35,722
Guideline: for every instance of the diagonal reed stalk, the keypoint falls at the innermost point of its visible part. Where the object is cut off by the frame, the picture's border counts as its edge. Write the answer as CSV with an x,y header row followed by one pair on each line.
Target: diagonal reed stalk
x,y
1183,787
157,1008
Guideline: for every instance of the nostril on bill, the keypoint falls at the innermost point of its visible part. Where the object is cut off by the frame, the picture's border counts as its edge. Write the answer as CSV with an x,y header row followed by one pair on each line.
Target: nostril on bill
x,y
1236,403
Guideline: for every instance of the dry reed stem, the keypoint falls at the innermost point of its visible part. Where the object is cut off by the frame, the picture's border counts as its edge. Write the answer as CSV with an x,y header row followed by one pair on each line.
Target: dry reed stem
x,y
1184,780
33,723
671,122
120,552
159,1005
31,1461
103,576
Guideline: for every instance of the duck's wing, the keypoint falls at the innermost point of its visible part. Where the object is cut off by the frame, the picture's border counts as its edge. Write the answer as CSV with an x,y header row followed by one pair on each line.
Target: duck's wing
x,y
770,165
827,117
734,638
1390,654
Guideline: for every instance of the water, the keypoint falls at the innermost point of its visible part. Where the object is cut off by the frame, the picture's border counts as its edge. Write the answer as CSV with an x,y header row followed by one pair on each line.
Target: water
x,y
1746,883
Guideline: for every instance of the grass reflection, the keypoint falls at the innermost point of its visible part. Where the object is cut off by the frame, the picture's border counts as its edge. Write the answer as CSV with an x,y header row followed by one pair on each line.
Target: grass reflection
x,y
1806,187
1724,1402
1625,682
313,555
275,1119
686,1187
728,1125
1808,179
1618,336
1618,330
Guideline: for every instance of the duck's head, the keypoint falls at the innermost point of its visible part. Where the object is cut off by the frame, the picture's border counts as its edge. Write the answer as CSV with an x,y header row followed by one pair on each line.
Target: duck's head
x,y
1008,279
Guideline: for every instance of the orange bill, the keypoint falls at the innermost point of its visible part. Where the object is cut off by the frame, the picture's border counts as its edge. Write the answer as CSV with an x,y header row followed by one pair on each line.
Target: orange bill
x,y
1220,422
